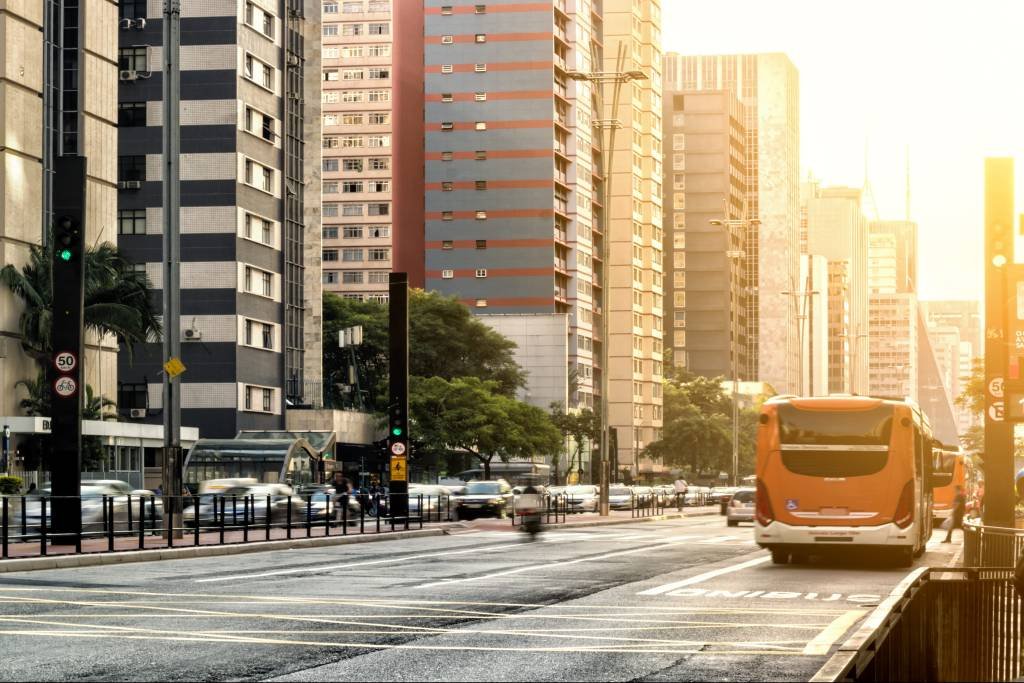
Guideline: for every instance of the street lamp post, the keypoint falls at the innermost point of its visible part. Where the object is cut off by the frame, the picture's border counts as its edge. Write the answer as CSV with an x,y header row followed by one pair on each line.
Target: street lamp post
x,y
735,256
616,78
801,316
855,339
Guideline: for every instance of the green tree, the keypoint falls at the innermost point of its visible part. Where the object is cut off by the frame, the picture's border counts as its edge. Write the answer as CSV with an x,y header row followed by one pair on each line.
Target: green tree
x,y
473,415
445,340
583,427
972,396
117,300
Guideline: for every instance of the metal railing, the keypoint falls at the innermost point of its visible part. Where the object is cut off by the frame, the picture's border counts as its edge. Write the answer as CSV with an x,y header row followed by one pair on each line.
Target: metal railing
x,y
939,624
991,546
128,522
553,509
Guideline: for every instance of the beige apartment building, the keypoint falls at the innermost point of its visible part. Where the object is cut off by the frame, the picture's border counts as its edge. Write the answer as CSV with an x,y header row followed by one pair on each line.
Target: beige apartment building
x,y
357,135
637,291
74,112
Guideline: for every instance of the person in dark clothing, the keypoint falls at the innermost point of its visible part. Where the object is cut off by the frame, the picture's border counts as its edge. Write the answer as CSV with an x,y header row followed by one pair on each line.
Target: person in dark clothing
x,y
959,508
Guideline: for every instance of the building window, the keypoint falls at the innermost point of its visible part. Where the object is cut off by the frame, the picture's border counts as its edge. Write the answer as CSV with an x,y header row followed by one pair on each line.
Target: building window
x,y
481,184
447,97
259,73
379,186
349,165
259,229
447,215
261,20
330,210
330,30
377,232
258,123
131,168
447,244
135,58
481,303
259,282
446,68
447,274
480,125
447,186
352,255
481,37
380,164
380,254
351,210
330,277
481,272
352,186
378,29
481,215
352,277
480,9
480,155
330,187
132,9
352,232
329,232
379,73
330,254
446,40
446,10
379,119
480,68
330,8
481,244
259,176
131,114
378,209
131,222
447,125
447,156
259,334
330,165
480,97
378,95
349,29
378,140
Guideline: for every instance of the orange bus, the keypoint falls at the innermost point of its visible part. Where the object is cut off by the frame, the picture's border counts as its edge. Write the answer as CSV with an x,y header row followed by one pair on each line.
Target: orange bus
x,y
957,465
843,471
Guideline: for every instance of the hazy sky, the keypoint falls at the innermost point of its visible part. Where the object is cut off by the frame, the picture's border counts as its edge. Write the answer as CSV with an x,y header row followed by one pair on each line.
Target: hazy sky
x,y
944,78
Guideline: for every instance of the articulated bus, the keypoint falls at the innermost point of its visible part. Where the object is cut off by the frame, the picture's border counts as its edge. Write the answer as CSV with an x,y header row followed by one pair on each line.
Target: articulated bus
x,y
961,468
842,472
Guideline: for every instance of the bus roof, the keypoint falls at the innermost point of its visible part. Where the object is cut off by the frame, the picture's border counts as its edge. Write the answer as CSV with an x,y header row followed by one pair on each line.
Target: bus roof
x,y
847,402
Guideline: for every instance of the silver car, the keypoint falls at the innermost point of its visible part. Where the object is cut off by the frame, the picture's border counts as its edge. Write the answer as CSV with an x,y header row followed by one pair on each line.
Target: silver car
x,y
741,507
620,497
581,498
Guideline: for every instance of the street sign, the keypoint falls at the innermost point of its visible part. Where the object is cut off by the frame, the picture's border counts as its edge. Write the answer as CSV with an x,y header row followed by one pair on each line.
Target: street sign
x,y
398,448
995,387
174,367
399,468
996,411
65,387
65,361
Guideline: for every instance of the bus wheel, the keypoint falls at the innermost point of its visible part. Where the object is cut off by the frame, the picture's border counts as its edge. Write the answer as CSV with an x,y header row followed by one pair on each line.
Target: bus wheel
x,y
918,552
780,557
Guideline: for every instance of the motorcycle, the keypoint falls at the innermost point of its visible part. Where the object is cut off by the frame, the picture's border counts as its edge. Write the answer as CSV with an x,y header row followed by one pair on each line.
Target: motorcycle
x,y
528,508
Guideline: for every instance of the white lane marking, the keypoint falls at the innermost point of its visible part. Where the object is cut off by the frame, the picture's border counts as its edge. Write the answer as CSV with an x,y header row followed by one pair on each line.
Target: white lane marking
x,y
700,578
823,642
719,539
346,565
550,565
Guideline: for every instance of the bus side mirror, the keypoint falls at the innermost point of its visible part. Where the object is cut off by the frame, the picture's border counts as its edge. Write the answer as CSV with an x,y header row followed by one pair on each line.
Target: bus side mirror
x,y
940,479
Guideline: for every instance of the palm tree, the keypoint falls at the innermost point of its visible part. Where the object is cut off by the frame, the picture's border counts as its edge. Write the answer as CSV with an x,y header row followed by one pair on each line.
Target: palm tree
x,y
117,299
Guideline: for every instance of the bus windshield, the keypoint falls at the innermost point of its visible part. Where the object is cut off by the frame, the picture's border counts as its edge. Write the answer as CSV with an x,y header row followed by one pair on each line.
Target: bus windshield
x,y
847,428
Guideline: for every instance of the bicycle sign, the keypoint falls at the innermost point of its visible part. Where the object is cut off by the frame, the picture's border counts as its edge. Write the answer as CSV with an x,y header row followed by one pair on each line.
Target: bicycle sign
x,y
65,361
65,387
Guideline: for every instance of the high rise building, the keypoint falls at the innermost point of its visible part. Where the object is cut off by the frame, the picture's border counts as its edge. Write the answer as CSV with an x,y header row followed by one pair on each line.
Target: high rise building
x,y
704,204
357,137
768,87
894,332
250,198
59,60
904,234
943,317
634,294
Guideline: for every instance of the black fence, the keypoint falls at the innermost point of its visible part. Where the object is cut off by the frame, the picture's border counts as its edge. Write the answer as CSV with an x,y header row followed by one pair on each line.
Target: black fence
x,y
208,519
940,624
991,546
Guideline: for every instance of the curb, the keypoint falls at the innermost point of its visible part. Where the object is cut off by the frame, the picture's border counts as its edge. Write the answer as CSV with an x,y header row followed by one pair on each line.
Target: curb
x,y
96,559
632,520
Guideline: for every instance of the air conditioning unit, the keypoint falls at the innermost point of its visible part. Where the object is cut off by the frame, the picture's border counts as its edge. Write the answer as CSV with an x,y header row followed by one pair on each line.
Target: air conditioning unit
x,y
193,334
125,23
139,23
137,413
128,75
130,185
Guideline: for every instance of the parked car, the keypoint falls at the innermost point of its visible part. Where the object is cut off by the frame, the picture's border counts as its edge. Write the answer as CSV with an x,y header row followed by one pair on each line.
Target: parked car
x,y
718,493
620,497
93,492
666,494
581,498
697,495
434,498
231,504
485,499
741,507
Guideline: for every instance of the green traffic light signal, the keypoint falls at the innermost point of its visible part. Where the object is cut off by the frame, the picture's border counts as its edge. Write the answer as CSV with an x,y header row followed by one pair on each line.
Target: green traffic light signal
x,y
396,431
65,255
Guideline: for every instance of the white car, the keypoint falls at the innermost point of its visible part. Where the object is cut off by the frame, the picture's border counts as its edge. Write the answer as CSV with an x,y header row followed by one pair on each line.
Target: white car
x,y
741,507
581,498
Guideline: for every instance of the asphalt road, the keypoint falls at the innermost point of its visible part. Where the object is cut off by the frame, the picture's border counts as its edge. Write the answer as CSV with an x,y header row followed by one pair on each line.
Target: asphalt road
x,y
673,600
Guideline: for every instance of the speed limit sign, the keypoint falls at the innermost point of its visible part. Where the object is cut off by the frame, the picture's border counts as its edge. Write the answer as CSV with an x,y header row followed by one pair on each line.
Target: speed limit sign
x,y
65,361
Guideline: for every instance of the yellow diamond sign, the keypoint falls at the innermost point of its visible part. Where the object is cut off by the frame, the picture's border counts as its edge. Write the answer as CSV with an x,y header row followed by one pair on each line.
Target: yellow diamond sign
x,y
174,367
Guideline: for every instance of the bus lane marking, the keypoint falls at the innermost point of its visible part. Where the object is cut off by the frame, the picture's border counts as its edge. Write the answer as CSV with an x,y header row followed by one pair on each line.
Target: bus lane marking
x,y
823,642
701,578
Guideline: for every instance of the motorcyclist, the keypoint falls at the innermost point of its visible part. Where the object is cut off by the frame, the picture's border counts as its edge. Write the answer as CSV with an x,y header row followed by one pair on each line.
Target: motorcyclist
x,y
529,504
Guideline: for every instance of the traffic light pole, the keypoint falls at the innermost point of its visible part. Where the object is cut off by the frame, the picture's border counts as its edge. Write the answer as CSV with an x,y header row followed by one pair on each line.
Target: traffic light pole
x,y
64,372
398,393
172,461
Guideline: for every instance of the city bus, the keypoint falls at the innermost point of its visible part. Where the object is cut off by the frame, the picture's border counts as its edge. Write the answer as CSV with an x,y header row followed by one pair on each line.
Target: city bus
x,y
960,468
843,472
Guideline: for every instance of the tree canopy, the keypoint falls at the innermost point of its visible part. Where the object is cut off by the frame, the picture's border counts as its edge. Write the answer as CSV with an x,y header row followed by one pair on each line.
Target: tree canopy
x,y
445,340
472,415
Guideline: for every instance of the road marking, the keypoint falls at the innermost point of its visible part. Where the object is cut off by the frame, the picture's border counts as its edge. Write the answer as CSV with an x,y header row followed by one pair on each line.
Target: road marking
x,y
346,565
719,539
548,565
824,641
700,578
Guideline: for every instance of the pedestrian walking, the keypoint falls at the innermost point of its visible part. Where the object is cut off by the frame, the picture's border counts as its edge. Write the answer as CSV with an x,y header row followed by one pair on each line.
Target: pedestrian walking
x,y
957,520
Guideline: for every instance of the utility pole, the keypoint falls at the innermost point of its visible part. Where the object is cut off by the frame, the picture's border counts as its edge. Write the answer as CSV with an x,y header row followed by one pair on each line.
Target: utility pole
x,y
172,462
398,393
